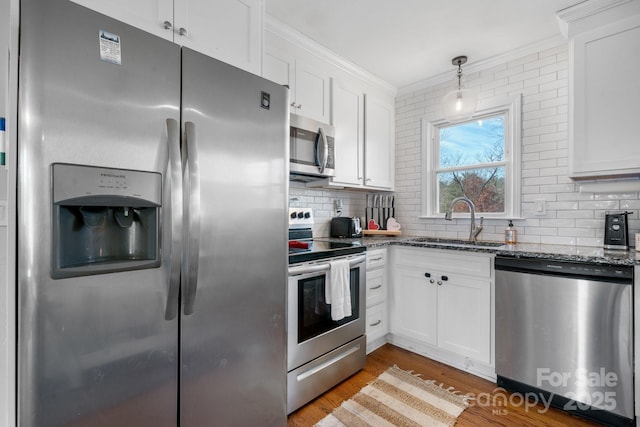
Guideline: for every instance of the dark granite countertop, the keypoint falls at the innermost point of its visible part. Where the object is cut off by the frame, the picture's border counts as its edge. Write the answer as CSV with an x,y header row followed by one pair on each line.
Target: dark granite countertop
x,y
520,250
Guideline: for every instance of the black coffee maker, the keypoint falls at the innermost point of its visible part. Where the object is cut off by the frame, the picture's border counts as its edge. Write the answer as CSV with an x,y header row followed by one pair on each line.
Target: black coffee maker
x,y
616,230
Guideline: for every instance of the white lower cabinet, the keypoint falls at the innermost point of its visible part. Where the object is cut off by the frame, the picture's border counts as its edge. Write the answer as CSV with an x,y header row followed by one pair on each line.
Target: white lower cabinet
x,y
441,306
464,317
377,310
414,305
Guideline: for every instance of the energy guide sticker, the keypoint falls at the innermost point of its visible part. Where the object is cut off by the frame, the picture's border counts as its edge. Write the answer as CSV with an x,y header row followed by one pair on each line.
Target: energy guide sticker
x,y
110,47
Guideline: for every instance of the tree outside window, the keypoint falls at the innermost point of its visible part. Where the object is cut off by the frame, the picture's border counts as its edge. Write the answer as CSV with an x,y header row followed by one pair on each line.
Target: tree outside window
x,y
478,159
471,164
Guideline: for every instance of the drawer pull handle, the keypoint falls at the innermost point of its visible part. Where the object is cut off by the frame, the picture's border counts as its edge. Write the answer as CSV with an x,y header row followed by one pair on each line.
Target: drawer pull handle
x,y
375,323
376,259
375,287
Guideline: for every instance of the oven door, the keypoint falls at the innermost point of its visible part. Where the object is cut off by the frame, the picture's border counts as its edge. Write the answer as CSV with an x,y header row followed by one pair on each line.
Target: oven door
x,y
311,331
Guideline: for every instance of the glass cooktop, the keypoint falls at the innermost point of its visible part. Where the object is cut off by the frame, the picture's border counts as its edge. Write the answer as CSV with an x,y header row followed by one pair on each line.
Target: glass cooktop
x,y
311,250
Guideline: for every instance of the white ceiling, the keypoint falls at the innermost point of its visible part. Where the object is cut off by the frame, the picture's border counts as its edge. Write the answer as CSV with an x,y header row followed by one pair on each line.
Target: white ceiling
x,y
405,41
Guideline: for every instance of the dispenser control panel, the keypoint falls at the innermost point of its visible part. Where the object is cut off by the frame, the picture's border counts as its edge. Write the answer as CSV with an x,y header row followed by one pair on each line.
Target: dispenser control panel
x,y
105,186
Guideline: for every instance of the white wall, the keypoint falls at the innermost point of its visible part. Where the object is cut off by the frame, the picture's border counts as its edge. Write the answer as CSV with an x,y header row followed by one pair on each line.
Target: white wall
x,y
572,218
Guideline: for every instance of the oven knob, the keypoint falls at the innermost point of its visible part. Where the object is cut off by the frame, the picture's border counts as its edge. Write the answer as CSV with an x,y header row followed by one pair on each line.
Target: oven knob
x,y
293,215
307,215
300,215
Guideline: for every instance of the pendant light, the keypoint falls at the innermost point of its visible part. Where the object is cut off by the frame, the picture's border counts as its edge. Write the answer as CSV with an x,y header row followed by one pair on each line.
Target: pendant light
x,y
459,104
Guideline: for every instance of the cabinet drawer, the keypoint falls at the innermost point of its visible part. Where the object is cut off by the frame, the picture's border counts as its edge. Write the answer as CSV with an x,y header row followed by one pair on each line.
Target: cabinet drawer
x,y
376,258
377,324
376,287
443,260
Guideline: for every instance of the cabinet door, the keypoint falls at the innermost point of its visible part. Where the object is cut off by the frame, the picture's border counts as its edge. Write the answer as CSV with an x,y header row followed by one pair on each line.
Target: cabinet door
x,y
228,30
603,133
376,286
279,67
464,316
376,322
413,305
148,15
379,143
312,90
347,111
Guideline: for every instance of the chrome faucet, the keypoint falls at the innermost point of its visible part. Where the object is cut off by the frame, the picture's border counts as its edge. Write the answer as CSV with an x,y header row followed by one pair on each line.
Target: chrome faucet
x,y
474,230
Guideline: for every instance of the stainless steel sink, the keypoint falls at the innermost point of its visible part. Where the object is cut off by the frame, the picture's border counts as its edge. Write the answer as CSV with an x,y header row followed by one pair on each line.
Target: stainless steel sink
x,y
461,242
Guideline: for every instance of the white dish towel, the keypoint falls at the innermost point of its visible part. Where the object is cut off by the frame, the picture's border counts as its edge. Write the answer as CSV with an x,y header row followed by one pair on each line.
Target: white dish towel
x,y
338,290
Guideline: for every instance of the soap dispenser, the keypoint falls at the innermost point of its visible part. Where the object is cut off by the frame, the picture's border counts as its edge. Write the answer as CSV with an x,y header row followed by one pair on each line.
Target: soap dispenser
x,y
510,234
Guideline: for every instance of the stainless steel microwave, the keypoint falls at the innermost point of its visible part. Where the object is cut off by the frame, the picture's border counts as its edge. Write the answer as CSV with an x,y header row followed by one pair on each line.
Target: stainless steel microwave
x,y
312,148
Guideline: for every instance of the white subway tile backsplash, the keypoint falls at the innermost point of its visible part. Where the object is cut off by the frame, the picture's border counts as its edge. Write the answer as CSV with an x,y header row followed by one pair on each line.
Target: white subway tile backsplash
x,y
571,218
575,214
630,204
599,204
615,196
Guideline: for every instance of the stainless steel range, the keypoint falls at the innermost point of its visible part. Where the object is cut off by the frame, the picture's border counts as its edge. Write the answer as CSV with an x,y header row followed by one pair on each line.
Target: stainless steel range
x,y
321,352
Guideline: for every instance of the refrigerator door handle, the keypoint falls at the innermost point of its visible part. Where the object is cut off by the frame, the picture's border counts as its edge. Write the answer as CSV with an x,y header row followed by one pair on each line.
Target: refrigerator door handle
x,y
174,208
191,248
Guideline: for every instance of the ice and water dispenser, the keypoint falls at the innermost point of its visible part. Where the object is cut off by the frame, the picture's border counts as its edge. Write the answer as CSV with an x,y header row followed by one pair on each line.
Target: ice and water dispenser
x,y
104,220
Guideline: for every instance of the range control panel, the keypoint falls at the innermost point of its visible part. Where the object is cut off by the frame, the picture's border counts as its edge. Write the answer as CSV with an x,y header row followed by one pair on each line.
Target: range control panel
x,y
300,217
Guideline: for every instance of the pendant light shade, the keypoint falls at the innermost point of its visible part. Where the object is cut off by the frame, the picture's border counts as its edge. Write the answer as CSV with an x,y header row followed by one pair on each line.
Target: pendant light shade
x,y
459,104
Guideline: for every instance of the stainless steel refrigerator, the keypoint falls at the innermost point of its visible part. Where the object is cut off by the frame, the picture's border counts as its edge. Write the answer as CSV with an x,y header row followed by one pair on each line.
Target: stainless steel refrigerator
x,y
151,230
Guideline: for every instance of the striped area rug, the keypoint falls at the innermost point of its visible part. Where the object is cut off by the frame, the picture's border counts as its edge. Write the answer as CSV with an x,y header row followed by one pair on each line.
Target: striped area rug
x,y
398,398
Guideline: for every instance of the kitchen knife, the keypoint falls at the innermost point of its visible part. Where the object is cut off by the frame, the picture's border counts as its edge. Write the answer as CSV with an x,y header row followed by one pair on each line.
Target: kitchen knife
x,y
380,215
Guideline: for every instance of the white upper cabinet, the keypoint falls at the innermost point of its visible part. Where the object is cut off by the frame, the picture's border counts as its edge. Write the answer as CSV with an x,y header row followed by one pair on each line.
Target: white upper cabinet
x,y
379,143
229,30
365,145
312,90
326,88
348,119
153,16
308,81
603,112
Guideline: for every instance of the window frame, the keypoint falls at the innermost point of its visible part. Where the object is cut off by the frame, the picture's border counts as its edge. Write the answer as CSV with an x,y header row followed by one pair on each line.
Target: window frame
x,y
511,108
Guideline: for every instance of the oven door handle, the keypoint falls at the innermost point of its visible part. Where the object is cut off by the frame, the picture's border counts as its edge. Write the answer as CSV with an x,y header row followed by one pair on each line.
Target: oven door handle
x,y
316,268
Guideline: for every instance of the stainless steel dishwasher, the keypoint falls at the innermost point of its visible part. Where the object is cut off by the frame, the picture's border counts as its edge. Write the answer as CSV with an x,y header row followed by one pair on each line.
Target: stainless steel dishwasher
x,y
564,332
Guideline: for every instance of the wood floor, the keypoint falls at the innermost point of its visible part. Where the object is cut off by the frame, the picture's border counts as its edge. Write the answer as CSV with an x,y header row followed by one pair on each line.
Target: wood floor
x,y
485,414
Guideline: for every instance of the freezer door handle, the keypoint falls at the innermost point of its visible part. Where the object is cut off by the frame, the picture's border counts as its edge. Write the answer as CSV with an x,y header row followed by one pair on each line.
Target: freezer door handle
x,y
191,249
173,213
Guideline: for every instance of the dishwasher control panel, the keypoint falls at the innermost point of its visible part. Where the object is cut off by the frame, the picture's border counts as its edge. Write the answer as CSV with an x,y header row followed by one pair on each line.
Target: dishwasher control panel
x,y
569,268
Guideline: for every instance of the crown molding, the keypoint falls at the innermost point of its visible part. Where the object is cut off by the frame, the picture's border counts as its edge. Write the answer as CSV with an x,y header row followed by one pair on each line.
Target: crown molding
x,y
485,64
593,13
284,31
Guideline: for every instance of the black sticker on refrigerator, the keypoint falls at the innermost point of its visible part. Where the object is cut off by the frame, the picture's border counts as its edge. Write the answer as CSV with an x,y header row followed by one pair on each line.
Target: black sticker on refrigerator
x,y
110,47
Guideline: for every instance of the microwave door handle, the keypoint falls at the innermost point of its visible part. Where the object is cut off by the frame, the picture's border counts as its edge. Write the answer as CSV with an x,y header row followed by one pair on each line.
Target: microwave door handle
x,y
322,159
173,213
191,249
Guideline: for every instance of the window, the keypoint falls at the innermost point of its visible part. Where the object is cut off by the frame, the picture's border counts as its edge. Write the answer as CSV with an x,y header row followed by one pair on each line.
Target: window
x,y
478,159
